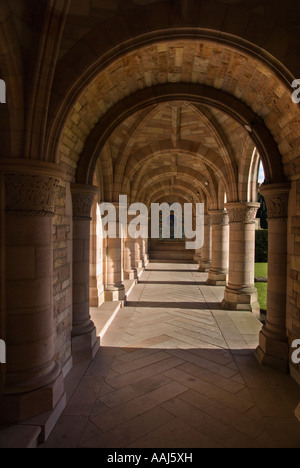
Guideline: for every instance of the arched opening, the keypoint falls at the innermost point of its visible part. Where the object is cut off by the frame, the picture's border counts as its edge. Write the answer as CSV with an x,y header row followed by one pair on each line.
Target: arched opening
x,y
261,245
184,106
97,252
170,245
124,143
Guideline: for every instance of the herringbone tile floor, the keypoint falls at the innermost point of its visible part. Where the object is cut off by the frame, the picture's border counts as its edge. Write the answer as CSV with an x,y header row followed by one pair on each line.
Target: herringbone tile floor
x,y
176,371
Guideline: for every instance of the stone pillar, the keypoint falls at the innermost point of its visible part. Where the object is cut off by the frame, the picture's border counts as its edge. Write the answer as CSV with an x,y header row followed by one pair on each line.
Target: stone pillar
x,y
139,254
143,255
114,289
197,256
197,252
33,378
94,299
220,248
84,340
130,270
145,250
273,347
205,260
240,293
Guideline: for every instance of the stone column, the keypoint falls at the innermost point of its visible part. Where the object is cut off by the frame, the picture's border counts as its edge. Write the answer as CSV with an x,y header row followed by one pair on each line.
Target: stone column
x,y
84,340
197,256
114,289
197,252
130,270
240,293
273,347
33,380
205,260
94,300
139,254
220,248
145,249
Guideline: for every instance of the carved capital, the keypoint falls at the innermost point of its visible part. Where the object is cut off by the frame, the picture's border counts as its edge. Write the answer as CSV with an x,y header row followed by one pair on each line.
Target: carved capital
x,y
277,200
207,220
82,197
30,194
242,212
219,218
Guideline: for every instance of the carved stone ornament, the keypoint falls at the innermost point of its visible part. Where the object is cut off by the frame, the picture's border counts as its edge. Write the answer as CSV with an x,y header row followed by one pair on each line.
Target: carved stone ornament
x,y
277,205
30,195
219,218
242,213
207,220
82,199
82,204
277,200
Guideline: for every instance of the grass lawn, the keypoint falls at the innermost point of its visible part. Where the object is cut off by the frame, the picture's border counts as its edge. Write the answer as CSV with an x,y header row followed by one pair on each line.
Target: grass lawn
x,y
261,271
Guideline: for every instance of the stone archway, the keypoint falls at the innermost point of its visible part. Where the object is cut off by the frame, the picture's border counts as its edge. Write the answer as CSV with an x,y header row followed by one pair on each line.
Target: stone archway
x,y
230,105
228,93
75,77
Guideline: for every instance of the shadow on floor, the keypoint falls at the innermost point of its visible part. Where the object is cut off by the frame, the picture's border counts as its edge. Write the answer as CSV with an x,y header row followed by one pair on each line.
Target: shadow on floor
x,y
176,305
177,398
178,283
166,378
171,271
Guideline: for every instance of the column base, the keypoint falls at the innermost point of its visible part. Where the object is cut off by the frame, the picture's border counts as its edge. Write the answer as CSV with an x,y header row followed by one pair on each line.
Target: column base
x,y
85,327
273,353
217,279
245,299
96,297
271,361
131,274
115,293
146,260
18,408
85,347
204,267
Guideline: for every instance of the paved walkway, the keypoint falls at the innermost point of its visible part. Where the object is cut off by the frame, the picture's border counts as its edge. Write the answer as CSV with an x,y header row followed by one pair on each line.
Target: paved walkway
x,y
175,371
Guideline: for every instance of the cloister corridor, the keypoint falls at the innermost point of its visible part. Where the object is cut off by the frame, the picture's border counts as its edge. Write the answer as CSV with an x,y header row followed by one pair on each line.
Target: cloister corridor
x,y
161,131
175,370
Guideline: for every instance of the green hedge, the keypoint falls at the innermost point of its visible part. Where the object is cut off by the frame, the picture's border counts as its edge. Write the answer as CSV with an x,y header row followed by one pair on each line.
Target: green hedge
x,y
261,246
262,289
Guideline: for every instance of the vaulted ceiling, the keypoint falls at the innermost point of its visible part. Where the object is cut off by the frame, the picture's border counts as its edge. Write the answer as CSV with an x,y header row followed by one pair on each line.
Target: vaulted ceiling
x,y
159,106
163,152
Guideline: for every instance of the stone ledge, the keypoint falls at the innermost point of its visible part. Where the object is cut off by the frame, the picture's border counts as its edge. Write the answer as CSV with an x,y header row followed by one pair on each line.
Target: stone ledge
x,y
20,437
46,422
32,432
261,280
85,347
104,315
130,285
